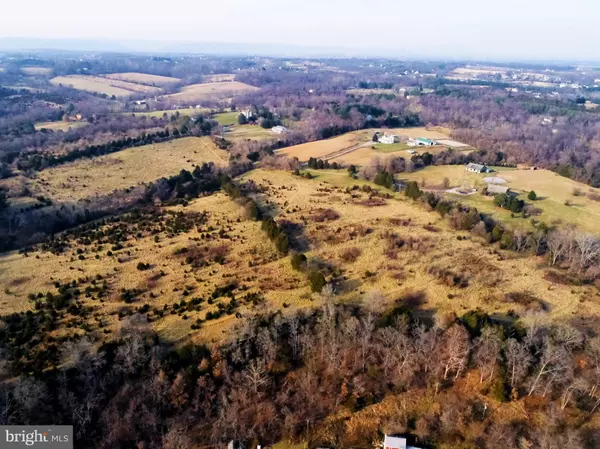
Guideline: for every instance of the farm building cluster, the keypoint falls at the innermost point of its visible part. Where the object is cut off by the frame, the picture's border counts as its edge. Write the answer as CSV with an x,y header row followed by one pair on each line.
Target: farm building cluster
x,y
389,139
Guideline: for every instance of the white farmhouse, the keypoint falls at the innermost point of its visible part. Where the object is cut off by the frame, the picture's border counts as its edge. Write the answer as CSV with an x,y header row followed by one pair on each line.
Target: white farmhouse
x,y
477,168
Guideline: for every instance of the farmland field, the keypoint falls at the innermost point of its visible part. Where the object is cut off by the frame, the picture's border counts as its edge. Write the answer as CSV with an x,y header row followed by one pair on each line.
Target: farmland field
x,y
33,71
363,155
91,84
227,118
59,126
100,176
197,92
104,85
143,78
552,191
391,148
159,114
355,226
321,148
253,132
470,72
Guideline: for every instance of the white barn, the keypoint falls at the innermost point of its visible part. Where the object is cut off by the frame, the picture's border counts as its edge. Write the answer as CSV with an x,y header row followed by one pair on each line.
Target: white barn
x,y
388,139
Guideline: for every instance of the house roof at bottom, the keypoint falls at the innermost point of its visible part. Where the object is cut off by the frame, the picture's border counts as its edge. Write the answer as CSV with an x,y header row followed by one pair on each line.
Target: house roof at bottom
x,y
474,166
391,442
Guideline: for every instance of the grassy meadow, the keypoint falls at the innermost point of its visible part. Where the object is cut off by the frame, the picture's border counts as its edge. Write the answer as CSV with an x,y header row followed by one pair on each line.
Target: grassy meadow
x,y
340,229
553,192
103,85
100,176
227,118
199,92
59,126
143,78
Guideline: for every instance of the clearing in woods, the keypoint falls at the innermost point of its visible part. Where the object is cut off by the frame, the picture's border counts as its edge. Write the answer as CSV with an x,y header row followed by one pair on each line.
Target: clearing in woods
x,y
197,92
102,85
249,132
59,126
99,176
353,236
241,132
143,78
552,190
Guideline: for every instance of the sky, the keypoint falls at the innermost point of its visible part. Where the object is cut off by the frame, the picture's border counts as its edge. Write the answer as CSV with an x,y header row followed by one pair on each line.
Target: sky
x,y
446,29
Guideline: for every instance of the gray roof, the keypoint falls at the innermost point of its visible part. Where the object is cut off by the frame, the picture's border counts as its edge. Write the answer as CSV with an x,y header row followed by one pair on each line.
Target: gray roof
x,y
496,189
477,167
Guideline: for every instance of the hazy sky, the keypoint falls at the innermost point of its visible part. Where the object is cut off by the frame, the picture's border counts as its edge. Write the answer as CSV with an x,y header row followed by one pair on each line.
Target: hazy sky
x,y
540,29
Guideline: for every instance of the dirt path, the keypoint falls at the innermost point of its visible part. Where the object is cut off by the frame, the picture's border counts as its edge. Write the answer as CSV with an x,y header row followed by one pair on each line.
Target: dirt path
x,y
345,151
213,153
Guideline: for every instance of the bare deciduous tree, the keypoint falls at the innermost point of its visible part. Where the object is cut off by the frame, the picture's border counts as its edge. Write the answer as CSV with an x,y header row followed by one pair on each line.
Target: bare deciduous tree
x,y
455,351
487,352
518,361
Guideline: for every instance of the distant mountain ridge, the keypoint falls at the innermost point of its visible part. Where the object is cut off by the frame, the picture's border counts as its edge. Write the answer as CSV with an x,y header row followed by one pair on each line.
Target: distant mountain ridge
x,y
145,46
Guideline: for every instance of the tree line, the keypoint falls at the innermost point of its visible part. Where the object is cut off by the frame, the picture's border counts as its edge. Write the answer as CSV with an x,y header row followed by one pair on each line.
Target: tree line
x,y
298,377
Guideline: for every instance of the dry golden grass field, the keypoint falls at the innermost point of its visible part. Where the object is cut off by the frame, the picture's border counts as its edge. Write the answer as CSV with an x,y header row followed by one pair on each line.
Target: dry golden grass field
x,y
321,148
99,176
170,279
143,78
352,236
104,85
552,191
198,92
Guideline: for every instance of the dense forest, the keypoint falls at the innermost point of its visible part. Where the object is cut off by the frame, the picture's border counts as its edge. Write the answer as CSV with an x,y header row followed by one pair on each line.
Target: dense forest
x,y
279,377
